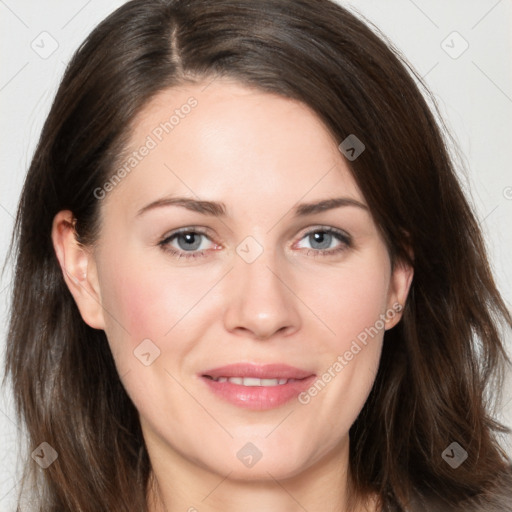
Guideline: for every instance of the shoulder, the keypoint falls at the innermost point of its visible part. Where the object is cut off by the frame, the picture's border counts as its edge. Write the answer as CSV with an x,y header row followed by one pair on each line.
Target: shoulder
x,y
497,498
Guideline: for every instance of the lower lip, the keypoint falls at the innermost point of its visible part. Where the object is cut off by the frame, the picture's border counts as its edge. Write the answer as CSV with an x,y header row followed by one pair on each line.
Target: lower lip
x,y
258,397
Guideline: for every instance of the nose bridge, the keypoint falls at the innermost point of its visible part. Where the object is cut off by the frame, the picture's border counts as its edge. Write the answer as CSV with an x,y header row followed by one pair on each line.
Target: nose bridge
x,y
261,302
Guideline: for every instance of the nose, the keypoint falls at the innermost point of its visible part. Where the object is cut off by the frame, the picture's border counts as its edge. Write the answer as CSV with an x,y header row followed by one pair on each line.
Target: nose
x,y
260,300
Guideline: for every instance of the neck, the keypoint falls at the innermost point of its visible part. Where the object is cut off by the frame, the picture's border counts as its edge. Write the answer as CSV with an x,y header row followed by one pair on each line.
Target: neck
x,y
177,484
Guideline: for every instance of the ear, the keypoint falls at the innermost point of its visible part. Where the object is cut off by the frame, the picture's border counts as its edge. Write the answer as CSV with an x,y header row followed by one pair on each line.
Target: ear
x,y
399,286
78,268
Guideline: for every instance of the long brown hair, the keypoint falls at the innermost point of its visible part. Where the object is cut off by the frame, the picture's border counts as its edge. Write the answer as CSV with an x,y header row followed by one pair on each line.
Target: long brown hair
x,y
437,363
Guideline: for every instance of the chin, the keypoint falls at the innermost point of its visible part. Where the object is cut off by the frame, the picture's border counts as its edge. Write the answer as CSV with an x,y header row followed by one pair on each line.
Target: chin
x,y
261,460
275,468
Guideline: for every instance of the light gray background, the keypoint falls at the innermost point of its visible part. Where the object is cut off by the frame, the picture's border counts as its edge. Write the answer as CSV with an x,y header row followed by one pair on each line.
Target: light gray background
x,y
473,89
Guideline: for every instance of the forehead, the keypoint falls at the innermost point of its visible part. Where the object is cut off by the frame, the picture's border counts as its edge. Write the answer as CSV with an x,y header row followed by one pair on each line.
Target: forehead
x,y
226,141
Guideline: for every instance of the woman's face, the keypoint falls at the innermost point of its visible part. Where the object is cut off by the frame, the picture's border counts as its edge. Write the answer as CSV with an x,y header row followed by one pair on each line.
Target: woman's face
x,y
237,247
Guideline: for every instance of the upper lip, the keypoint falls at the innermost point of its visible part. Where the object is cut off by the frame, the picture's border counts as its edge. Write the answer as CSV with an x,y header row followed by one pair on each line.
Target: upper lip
x,y
258,371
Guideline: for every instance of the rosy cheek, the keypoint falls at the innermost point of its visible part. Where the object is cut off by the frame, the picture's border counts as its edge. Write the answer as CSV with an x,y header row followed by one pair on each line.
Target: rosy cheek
x,y
361,299
147,306
127,298
151,300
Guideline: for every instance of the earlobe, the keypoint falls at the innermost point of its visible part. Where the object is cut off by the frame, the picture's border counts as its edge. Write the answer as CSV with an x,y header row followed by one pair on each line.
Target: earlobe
x,y
78,269
400,284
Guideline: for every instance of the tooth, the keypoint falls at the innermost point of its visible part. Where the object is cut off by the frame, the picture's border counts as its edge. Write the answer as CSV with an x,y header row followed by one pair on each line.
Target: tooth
x,y
222,379
251,381
282,381
269,382
236,380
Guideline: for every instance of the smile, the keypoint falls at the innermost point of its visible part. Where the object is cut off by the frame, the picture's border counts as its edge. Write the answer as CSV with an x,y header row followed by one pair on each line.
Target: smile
x,y
257,387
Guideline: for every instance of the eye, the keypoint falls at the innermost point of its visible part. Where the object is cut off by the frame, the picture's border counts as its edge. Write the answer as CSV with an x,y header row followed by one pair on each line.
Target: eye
x,y
193,242
325,241
187,243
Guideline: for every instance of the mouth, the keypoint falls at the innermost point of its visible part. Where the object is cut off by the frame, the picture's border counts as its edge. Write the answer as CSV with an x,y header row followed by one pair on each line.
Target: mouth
x,y
257,387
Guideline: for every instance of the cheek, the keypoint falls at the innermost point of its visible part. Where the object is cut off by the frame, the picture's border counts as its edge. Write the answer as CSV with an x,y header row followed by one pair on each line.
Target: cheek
x,y
143,302
350,300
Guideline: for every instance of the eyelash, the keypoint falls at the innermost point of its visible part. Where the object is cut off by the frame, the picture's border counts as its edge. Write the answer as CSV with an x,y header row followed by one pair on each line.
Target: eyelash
x,y
345,239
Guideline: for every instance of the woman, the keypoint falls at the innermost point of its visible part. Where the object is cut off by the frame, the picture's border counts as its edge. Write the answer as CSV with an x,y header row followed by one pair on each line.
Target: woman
x,y
247,277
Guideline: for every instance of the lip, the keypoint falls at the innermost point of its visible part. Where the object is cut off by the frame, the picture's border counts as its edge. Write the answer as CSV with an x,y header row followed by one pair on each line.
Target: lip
x,y
258,397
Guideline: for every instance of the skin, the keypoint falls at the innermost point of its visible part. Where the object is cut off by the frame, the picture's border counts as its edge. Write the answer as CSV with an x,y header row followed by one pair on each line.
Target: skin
x,y
259,154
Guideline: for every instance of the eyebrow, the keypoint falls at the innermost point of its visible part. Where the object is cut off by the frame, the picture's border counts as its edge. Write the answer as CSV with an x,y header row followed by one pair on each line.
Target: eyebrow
x,y
218,209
